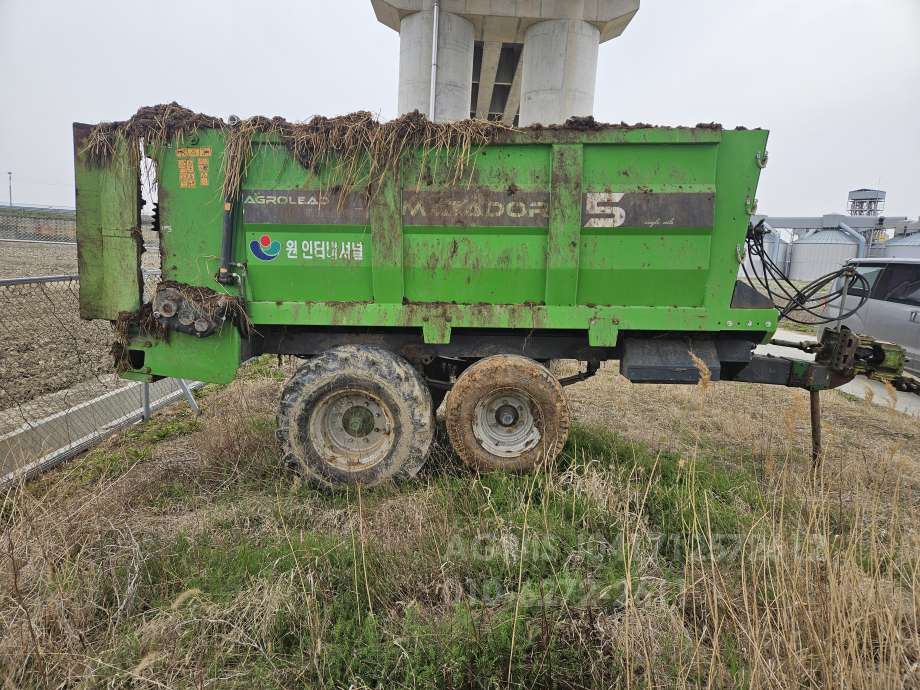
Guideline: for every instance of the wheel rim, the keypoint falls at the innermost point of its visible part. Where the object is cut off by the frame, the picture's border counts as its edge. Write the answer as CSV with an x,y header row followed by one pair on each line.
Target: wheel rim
x,y
352,429
504,425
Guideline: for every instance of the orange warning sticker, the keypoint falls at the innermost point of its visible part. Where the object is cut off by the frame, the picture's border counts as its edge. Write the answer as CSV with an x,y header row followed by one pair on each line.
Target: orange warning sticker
x,y
186,158
197,152
186,173
203,171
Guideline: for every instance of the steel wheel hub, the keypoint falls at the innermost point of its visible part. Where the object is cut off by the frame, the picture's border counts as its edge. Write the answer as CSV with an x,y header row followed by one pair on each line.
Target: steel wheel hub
x,y
352,429
504,424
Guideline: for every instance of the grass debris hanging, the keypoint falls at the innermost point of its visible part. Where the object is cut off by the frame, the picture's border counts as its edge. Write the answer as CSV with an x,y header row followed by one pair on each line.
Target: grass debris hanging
x,y
210,304
356,150
142,324
154,125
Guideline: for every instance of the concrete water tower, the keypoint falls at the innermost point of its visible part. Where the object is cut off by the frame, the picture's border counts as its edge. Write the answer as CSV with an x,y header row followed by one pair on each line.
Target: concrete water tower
x,y
523,61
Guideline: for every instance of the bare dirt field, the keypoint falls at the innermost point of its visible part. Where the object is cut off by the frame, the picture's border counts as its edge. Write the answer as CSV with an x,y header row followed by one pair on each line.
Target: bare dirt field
x,y
50,359
27,259
44,345
21,259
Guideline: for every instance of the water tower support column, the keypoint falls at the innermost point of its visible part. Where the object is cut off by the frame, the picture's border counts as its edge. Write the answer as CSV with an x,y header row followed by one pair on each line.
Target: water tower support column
x,y
559,71
454,85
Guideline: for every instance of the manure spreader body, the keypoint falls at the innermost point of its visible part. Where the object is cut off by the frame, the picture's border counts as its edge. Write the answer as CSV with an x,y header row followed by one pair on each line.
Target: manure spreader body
x,y
408,261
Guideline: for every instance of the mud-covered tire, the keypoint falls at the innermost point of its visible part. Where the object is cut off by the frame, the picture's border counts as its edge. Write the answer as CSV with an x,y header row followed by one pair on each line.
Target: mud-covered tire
x,y
367,386
524,388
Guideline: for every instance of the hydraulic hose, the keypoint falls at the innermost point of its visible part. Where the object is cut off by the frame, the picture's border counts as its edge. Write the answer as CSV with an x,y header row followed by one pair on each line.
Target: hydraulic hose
x,y
224,275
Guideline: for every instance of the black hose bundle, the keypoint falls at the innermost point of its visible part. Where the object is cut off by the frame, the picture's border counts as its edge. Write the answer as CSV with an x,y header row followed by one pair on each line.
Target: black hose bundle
x,y
809,298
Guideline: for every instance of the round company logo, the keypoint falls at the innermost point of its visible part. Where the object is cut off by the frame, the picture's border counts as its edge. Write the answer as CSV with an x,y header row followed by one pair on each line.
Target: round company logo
x,y
265,249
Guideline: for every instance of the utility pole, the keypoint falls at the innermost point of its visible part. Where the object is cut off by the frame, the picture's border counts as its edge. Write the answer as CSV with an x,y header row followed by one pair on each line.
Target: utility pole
x,y
10,174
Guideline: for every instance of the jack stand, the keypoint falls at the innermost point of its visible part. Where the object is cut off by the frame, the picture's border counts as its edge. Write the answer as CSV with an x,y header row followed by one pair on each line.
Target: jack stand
x,y
815,399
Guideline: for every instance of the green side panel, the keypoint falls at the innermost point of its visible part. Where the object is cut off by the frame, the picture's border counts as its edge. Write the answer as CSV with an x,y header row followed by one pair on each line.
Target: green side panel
x,y
647,265
476,262
190,175
387,243
316,262
108,230
473,265
737,174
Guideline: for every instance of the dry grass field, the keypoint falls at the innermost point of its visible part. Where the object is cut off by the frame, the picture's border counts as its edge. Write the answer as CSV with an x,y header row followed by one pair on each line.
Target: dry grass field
x,y
682,540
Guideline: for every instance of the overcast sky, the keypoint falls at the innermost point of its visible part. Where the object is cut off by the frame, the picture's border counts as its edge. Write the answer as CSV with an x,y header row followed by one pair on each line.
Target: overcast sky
x,y
836,81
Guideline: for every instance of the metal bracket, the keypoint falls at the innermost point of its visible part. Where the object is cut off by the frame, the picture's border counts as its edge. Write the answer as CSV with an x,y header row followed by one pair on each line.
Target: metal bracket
x,y
581,376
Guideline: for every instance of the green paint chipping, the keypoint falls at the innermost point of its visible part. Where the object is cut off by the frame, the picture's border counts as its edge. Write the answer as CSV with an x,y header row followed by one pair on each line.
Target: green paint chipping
x,y
346,222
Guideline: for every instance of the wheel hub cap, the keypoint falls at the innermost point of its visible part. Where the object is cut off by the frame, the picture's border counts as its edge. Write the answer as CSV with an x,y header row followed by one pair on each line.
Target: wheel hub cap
x,y
507,415
358,421
504,424
352,429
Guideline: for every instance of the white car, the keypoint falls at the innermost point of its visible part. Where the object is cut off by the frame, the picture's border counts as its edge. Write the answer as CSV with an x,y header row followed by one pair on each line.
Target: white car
x,y
892,310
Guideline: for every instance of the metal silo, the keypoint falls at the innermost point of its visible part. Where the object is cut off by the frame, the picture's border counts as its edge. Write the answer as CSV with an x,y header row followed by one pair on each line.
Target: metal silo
x,y
904,247
776,248
819,253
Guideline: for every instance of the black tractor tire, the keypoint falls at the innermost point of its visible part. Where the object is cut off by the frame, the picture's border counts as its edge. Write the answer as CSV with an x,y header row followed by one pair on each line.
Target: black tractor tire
x,y
507,412
348,396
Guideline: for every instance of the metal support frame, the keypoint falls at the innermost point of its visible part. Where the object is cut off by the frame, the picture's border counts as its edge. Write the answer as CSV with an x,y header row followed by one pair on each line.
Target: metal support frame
x,y
145,401
186,391
432,95
814,398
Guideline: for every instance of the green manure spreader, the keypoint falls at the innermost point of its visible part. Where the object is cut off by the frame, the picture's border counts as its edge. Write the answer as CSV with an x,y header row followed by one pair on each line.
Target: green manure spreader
x,y
407,262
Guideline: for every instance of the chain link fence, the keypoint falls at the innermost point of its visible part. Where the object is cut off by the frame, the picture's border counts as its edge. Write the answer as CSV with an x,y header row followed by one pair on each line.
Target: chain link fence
x,y
38,224
42,241
58,390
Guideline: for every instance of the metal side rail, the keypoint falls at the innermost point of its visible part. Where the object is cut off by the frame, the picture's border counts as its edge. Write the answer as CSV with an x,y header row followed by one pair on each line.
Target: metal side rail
x,y
38,446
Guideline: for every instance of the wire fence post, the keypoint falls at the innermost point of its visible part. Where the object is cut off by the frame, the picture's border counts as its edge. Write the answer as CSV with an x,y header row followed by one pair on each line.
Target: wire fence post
x,y
145,400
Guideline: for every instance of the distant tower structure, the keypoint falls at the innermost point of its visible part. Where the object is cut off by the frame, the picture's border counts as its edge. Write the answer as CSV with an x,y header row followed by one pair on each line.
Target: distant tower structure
x,y
866,202
518,61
